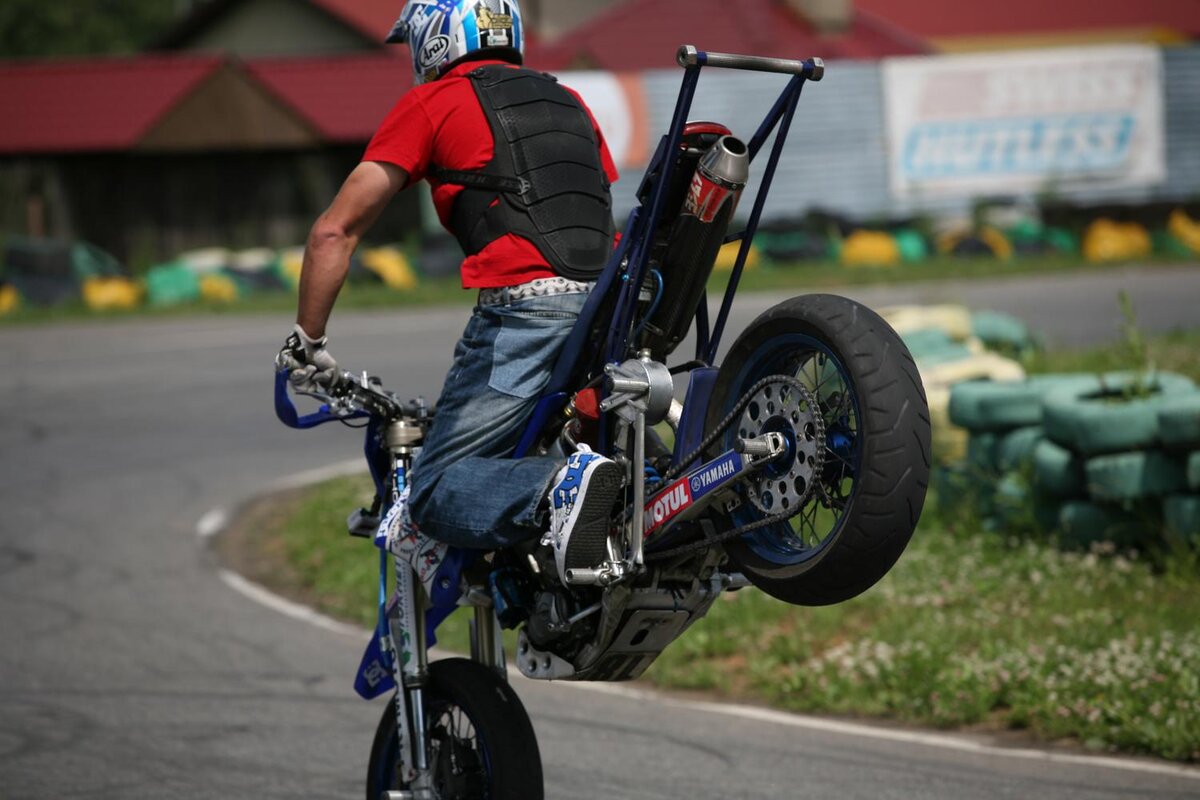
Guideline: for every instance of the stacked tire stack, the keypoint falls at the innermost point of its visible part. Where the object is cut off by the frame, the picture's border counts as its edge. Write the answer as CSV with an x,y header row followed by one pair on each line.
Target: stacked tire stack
x,y
1113,457
952,344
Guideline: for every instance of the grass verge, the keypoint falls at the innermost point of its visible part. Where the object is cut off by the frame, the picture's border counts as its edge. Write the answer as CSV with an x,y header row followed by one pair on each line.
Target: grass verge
x,y
968,630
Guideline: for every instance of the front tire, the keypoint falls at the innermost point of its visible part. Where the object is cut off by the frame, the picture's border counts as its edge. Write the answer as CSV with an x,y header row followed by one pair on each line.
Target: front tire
x,y
482,744
862,512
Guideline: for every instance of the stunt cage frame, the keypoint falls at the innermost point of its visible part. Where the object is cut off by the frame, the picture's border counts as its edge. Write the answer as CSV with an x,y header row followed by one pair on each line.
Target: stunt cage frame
x,y
631,259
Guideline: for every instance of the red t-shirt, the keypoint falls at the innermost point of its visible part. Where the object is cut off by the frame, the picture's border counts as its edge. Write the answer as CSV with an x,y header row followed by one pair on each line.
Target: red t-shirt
x,y
442,123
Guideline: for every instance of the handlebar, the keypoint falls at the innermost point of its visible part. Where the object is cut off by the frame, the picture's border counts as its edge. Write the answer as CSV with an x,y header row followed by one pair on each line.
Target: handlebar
x,y
351,397
812,69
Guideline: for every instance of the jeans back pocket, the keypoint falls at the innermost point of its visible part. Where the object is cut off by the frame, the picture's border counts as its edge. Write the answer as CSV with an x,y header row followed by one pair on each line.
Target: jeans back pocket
x,y
526,346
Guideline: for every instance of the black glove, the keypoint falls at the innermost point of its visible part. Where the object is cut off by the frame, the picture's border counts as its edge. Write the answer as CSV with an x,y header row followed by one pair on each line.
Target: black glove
x,y
309,365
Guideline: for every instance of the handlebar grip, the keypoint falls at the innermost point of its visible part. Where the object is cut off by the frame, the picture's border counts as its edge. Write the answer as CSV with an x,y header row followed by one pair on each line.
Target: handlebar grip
x,y
812,69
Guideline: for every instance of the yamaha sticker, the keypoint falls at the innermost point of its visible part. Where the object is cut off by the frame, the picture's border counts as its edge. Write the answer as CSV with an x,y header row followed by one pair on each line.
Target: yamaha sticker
x,y
714,474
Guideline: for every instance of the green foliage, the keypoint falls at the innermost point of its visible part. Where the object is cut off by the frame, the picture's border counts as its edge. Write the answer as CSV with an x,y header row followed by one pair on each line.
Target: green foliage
x,y
73,28
971,629
1172,352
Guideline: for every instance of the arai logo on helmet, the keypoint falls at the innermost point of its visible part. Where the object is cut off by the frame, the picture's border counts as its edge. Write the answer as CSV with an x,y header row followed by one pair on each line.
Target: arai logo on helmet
x,y
433,51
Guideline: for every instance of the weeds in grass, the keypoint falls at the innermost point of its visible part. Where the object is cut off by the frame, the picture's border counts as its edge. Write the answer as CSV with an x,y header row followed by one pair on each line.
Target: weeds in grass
x,y
971,629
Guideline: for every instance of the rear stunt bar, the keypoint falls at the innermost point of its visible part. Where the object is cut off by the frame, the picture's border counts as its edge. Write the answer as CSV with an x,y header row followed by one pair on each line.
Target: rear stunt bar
x,y
812,69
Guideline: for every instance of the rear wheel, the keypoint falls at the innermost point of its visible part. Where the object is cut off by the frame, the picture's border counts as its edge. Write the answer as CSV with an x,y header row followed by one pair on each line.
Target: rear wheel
x,y
481,741
856,518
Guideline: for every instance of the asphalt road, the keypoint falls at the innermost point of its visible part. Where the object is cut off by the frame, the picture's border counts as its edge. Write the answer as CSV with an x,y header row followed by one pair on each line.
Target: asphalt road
x,y
128,669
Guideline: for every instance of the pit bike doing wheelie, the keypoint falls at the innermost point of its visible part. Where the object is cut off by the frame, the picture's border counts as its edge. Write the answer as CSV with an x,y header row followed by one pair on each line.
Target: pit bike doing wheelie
x,y
798,465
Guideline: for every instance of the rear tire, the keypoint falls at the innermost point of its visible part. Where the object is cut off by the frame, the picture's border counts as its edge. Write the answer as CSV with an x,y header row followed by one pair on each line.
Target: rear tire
x,y
861,516
481,740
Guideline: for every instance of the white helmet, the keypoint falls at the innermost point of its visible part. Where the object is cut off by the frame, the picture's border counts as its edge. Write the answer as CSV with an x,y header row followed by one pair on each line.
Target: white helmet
x,y
441,32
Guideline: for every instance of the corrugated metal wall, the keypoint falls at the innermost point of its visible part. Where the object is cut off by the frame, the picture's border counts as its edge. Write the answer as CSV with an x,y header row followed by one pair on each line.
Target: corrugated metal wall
x,y
836,159
1181,79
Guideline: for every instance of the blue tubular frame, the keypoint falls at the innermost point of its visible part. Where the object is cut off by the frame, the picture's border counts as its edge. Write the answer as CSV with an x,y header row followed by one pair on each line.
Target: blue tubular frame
x,y
639,256
630,261
781,113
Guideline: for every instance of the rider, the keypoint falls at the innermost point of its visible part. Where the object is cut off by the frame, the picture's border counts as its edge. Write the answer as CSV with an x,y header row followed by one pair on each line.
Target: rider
x,y
520,175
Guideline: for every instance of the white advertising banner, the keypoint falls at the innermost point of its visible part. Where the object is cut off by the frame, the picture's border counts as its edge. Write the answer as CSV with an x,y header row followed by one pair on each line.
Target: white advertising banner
x,y
1028,121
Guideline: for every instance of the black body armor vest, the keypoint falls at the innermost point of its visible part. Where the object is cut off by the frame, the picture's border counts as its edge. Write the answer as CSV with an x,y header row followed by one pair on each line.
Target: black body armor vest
x,y
545,181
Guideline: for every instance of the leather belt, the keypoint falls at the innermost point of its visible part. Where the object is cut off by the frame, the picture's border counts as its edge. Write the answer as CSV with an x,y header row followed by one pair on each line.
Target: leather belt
x,y
538,287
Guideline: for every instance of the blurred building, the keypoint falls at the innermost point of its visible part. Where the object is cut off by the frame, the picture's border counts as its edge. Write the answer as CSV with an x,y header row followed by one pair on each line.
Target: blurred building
x,y
238,124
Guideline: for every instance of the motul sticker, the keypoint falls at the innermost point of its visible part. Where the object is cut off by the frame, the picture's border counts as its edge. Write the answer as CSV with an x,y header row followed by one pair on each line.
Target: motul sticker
x,y
667,504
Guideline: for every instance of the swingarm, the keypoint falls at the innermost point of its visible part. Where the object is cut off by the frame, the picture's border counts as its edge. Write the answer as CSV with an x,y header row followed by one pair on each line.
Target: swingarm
x,y
640,393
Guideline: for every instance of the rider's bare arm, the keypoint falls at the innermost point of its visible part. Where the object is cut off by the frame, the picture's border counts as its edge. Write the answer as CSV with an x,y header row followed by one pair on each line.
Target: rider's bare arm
x,y
336,233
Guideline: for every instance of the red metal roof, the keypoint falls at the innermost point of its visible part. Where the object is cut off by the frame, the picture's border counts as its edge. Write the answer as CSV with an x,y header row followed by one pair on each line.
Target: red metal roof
x,y
97,104
938,18
644,34
344,98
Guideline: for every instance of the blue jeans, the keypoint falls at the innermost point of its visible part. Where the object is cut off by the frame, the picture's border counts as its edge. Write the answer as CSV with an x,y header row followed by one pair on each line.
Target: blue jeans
x,y
465,490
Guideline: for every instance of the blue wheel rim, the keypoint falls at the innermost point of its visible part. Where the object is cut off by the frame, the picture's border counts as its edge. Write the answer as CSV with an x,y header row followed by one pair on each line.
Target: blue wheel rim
x,y
386,768
823,373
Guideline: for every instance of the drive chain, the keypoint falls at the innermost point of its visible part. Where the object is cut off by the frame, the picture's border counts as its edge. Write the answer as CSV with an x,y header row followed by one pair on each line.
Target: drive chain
x,y
711,439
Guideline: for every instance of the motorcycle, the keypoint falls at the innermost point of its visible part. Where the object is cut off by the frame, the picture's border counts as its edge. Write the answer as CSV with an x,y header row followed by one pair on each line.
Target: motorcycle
x,y
799,466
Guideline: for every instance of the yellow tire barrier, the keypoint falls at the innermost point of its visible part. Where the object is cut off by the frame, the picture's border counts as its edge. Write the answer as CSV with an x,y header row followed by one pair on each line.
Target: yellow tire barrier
x,y
290,262
391,266
1185,229
10,300
1106,240
727,257
977,367
111,294
948,243
955,320
870,249
218,288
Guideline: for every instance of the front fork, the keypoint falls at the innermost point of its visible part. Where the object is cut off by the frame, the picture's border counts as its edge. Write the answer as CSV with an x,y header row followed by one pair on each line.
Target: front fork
x,y
408,647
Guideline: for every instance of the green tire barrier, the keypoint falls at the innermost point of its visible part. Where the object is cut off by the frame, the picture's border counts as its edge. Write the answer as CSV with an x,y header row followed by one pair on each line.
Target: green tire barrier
x,y
1057,470
982,452
171,284
912,245
1082,523
1130,476
1015,506
965,403
1000,405
1009,504
1181,513
1179,421
1193,471
1016,448
1093,423
934,346
1003,332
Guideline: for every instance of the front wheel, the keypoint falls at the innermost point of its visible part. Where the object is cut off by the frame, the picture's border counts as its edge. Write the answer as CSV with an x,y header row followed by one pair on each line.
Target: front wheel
x,y
855,508
481,742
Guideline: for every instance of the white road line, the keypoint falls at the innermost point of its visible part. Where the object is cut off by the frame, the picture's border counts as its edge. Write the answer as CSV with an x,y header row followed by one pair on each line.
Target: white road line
x,y
943,741
294,610
341,469
215,520
212,523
